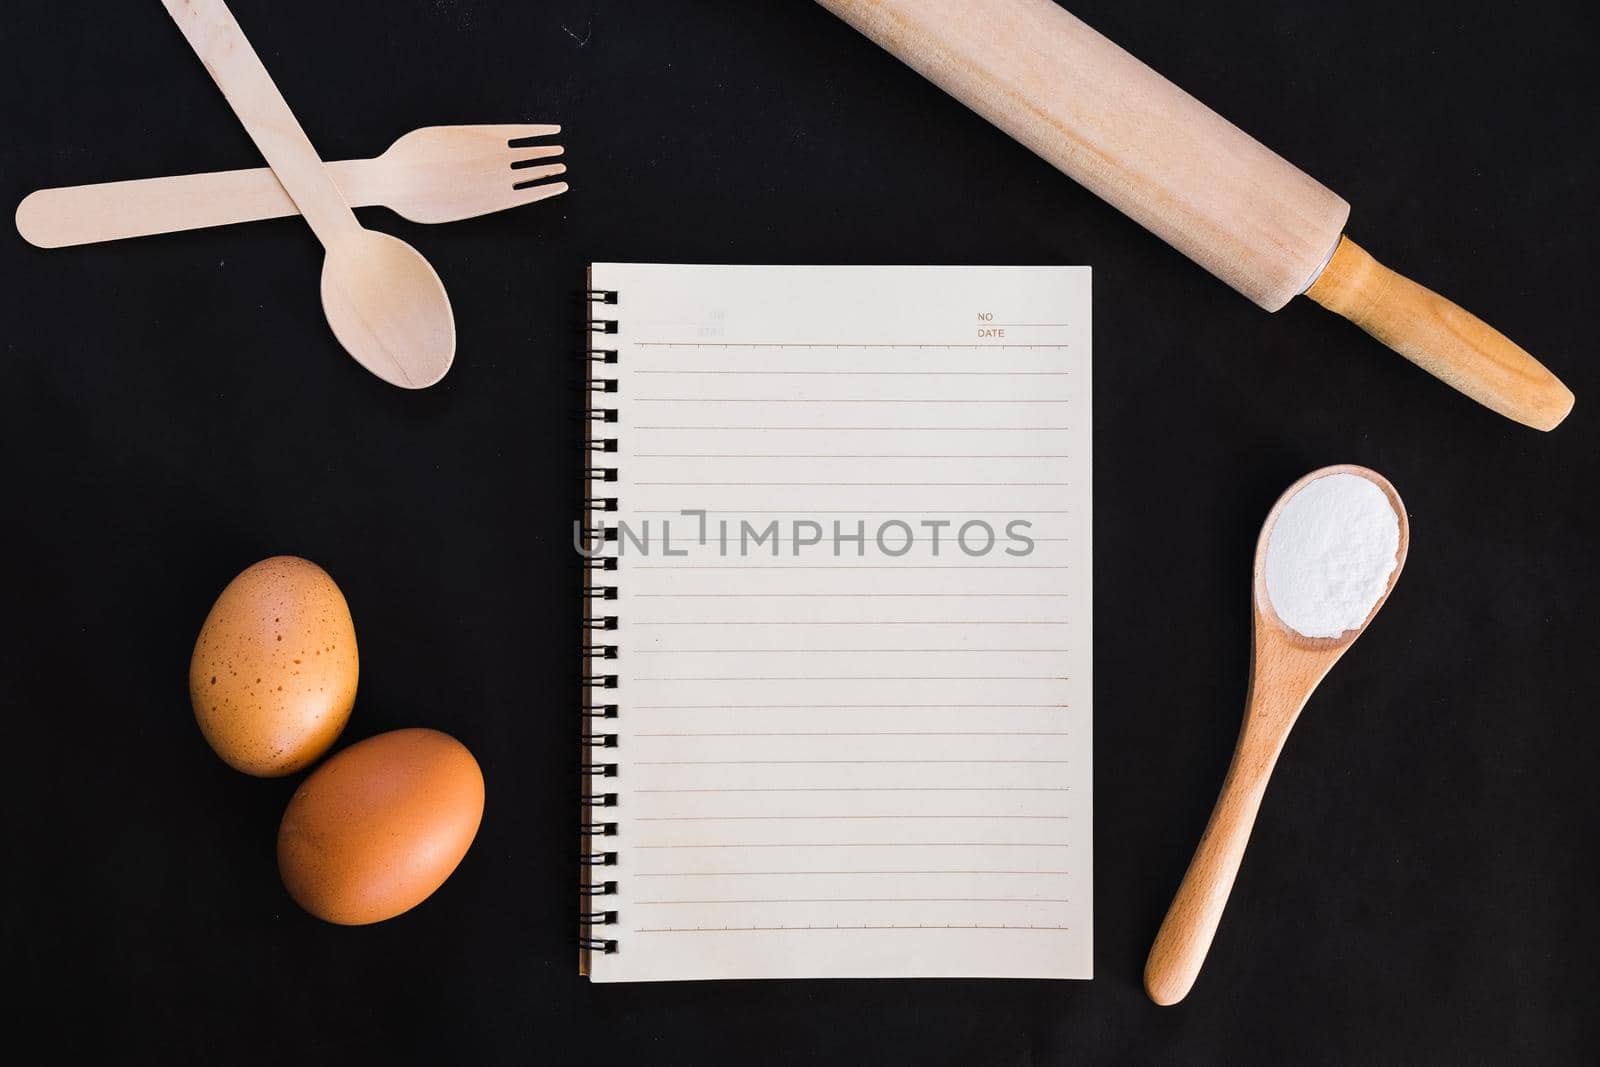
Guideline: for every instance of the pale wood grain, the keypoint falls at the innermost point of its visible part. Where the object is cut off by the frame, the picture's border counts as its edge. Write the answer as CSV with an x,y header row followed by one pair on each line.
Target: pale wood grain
x,y
1453,345
1286,669
383,301
1189,176
1126,133
216,38
431,175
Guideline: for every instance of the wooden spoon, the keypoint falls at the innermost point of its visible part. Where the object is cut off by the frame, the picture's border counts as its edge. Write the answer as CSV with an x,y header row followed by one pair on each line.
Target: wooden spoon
x,y
382,299
1287,667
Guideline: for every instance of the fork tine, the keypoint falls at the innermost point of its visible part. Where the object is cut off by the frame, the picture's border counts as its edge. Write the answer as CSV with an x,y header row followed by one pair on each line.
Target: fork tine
x,y
527,157
534,193
513,131
525,178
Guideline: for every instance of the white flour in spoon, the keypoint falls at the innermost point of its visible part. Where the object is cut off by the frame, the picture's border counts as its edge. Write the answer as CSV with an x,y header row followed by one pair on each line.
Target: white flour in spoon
x,y
1332,550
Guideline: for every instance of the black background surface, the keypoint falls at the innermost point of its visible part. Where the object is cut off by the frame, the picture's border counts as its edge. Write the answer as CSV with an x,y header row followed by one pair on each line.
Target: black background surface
x,y
1420,888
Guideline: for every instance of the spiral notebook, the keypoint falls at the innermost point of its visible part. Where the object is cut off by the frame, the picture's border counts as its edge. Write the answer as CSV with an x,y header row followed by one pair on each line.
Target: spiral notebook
x,y
838,623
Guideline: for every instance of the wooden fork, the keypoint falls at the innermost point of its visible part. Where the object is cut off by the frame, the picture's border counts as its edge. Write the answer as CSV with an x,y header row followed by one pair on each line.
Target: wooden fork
x,y
433,174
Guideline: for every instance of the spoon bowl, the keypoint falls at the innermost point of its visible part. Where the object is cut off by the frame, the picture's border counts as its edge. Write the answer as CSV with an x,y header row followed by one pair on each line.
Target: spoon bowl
x,y
1265,613
1286,668
388,309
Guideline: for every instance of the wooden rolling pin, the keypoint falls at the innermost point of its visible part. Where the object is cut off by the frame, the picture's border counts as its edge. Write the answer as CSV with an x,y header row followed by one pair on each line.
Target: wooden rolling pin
x,y
1193,179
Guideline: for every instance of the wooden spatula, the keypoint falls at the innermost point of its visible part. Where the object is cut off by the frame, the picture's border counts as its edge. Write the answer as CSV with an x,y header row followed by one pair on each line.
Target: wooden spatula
x,y
382,299
434,174
1194,179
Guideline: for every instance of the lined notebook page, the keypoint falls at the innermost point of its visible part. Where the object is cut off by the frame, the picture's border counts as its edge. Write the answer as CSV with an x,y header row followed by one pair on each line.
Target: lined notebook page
x,y
863,755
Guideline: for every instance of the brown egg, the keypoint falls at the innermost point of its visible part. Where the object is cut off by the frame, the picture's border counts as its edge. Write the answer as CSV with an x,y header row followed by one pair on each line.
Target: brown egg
x,y
376,829
273,676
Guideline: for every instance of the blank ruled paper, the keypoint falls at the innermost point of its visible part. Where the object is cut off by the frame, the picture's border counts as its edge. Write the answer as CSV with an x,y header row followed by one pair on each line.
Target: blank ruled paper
x,y
854,622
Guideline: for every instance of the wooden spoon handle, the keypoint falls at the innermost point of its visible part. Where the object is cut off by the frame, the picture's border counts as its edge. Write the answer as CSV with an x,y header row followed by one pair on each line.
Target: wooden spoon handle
x,y
216,38
1453,345
1185,936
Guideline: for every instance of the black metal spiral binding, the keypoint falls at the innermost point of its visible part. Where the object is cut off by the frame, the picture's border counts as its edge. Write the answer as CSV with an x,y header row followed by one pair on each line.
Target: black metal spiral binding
x,y
598,617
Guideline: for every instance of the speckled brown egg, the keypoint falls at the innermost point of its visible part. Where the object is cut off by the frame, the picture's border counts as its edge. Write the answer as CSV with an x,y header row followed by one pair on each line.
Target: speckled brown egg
x,y
380,826
273,676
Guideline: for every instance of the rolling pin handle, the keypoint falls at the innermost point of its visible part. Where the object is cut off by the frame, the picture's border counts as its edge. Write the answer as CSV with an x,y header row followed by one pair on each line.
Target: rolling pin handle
x,y
1453,345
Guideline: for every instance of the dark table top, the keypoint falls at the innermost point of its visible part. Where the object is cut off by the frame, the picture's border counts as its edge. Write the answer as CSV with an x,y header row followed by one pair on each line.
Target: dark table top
x,y
1420,886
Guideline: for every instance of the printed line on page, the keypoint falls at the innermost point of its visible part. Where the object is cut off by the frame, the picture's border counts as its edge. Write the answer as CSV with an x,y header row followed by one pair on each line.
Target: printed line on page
x,y
869,900
871,789
832,818
872,844
838,429
833,344
850,678
850,707
828,929
875,733
881,373
768,874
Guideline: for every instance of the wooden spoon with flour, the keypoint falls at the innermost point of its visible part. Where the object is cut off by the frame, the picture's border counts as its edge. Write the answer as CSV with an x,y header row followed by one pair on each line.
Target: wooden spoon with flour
x,y
1330,552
